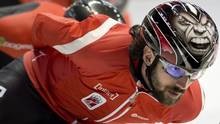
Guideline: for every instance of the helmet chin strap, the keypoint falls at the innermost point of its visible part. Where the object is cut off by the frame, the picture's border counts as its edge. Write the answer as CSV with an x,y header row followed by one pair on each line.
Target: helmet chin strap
x,y
148,71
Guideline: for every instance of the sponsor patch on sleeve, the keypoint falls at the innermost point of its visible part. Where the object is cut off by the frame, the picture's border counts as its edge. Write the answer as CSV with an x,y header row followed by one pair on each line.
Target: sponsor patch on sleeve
x,y
93,101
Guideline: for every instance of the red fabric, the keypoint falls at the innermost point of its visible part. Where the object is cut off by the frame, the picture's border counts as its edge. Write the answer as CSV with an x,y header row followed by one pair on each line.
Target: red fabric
x,y
16,29
101,68
127,18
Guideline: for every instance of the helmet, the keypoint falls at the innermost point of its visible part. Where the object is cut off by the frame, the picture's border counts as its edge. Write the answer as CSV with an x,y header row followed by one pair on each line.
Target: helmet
x,y
182,33
81,9
120,4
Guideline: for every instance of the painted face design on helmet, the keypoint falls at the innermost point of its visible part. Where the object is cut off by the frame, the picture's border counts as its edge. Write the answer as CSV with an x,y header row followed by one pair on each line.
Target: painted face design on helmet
x,y
197,34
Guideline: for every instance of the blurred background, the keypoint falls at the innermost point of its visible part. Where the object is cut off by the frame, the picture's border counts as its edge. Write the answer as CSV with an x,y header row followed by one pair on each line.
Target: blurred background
x,y
210,81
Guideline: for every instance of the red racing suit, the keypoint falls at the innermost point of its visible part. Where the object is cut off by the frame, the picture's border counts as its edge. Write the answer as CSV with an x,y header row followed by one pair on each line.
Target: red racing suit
x,y
81,69
16,29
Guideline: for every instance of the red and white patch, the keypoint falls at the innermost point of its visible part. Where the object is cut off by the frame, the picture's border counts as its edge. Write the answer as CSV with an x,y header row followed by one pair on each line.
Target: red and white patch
x,y
93,101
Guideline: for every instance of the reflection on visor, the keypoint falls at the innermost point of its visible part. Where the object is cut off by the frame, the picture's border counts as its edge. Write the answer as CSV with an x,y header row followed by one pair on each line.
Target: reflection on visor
x,y
178,72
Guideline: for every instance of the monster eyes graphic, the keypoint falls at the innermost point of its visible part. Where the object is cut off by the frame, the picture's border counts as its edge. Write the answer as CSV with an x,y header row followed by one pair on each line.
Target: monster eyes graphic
x,y
184,21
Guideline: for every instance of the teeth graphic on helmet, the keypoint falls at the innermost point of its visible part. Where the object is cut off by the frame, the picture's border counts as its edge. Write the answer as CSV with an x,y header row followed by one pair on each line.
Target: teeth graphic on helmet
x,y
200,40
199,44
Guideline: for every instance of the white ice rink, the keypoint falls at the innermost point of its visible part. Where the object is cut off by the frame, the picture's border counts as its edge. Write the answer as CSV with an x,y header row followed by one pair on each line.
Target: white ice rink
x,y
210,81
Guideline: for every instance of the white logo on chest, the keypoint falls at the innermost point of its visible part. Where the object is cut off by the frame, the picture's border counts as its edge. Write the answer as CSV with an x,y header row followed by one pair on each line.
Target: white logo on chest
x,y
111,95
135,115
